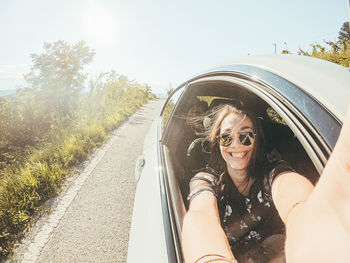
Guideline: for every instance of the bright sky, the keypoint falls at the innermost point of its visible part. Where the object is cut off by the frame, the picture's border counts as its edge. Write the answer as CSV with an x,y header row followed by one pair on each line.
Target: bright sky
x,y
162,42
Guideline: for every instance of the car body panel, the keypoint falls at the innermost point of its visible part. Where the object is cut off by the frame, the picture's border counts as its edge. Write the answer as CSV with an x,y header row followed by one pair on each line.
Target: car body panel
x,y
147,236
317,89
303,81
309,74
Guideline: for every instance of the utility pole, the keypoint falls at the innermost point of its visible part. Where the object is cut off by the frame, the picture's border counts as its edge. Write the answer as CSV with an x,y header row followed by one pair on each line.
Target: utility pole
x,y
276,44
349,10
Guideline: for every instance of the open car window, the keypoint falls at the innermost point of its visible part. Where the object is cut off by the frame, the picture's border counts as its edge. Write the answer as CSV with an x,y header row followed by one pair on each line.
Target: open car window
x,y
282,136
169,106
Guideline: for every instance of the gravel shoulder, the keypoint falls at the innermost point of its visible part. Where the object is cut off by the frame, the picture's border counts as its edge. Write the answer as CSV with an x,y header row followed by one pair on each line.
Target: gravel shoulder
x,y
90,219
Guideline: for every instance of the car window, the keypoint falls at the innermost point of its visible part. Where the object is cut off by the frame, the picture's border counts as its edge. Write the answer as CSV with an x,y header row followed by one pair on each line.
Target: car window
x,y
170,106
187,153
213,100
207,99
273,115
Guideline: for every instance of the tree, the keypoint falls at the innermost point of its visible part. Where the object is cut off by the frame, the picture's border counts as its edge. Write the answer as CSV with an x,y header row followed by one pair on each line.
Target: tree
x,y
344,33
285,51
169,90
337,52
56,76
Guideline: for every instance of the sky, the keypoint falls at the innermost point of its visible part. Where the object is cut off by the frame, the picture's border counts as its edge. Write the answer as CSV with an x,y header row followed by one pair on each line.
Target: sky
x,y
161,42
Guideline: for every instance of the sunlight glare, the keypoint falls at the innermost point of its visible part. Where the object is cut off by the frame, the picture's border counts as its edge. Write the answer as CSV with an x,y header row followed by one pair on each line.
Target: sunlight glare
x,y
99,25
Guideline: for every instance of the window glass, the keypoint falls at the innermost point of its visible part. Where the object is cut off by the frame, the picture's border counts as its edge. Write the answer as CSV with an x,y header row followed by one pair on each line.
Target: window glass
x,y
207,99
170,106
274,116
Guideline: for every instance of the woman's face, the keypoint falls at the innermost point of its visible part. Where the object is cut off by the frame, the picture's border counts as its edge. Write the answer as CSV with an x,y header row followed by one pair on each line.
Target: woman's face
x,y
237,155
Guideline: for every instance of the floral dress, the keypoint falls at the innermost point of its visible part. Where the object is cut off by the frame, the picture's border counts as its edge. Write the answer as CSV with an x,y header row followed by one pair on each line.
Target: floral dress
x,y
249,220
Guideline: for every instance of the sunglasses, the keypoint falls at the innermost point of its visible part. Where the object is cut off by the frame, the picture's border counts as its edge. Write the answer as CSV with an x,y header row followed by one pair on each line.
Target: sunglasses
x,y
246,138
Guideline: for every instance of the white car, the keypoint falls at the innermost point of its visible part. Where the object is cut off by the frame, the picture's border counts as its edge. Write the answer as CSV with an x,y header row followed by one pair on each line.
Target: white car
x,y
301,102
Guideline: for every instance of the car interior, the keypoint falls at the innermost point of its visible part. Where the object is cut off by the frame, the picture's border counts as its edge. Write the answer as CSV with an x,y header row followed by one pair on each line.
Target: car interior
x,y
177,138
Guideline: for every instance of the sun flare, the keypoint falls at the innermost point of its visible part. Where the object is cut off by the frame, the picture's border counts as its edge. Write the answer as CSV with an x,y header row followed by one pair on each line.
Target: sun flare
x,y
99,25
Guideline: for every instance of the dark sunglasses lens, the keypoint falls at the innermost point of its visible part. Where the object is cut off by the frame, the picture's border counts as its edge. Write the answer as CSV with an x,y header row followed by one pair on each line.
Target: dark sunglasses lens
x,y
246,138
225,139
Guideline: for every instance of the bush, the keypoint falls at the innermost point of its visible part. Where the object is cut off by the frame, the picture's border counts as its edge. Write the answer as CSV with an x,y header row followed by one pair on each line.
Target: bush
x,y
39,152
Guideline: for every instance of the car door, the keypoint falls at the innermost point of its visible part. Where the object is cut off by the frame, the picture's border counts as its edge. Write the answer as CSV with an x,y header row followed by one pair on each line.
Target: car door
x,y
314,127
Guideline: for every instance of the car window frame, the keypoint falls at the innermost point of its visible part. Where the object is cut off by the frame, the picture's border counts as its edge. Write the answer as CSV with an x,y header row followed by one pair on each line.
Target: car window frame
x,y
318,151
291,93
172,240
177,92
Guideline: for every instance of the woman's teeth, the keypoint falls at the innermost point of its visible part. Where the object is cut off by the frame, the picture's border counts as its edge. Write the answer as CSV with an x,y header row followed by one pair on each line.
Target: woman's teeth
x,y
238,155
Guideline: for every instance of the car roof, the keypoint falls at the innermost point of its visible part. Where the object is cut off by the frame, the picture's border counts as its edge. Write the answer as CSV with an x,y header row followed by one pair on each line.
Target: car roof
x,y
327,82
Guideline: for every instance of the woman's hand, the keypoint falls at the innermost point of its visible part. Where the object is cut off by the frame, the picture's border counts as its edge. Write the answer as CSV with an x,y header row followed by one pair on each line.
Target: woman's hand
x,y
318,227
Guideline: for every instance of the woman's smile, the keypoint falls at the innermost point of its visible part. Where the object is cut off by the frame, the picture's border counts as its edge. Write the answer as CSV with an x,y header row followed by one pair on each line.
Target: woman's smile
x,y
236,155
237,160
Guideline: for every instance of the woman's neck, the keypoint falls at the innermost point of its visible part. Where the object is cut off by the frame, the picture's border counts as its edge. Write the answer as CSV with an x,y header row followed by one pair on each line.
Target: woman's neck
x,y
241,179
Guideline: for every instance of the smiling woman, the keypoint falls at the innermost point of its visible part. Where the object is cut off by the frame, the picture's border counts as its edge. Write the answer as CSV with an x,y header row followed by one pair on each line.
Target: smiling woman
x,y
99,25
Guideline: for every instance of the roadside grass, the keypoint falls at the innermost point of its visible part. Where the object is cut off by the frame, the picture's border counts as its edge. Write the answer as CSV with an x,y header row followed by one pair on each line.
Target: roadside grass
x,y
24,188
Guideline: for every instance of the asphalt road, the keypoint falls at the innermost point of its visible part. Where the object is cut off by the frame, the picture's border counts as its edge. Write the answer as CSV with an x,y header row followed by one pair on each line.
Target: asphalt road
x,y
91,220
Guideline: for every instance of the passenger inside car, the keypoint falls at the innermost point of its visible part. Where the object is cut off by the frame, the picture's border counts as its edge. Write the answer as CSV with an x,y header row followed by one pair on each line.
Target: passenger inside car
x,y
198,151
241,181
280,143
236,209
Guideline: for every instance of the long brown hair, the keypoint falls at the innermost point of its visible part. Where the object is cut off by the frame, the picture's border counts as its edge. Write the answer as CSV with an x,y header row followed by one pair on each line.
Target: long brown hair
x,y
217,115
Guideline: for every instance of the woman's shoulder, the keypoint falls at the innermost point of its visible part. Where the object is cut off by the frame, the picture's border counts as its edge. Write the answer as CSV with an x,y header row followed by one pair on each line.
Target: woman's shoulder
x,y
273,166
209,170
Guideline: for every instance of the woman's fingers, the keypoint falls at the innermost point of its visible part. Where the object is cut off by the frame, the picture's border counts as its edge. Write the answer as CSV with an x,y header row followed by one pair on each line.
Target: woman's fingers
x,y
335,179
319,230
337,176
342,149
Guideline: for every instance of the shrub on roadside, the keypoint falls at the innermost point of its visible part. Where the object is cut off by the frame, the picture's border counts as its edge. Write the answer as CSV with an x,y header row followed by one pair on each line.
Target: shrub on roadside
x,y
40,171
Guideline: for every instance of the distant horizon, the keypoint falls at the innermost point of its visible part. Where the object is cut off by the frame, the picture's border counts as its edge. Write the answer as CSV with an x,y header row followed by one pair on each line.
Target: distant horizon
x,y
13,90
9,84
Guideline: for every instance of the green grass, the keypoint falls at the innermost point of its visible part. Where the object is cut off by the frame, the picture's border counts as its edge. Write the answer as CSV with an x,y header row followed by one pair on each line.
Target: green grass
x,y
24,188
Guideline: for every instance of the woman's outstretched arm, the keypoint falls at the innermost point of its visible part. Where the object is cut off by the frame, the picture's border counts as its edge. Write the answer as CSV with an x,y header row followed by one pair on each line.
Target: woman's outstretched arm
x,y
318,220
201,232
